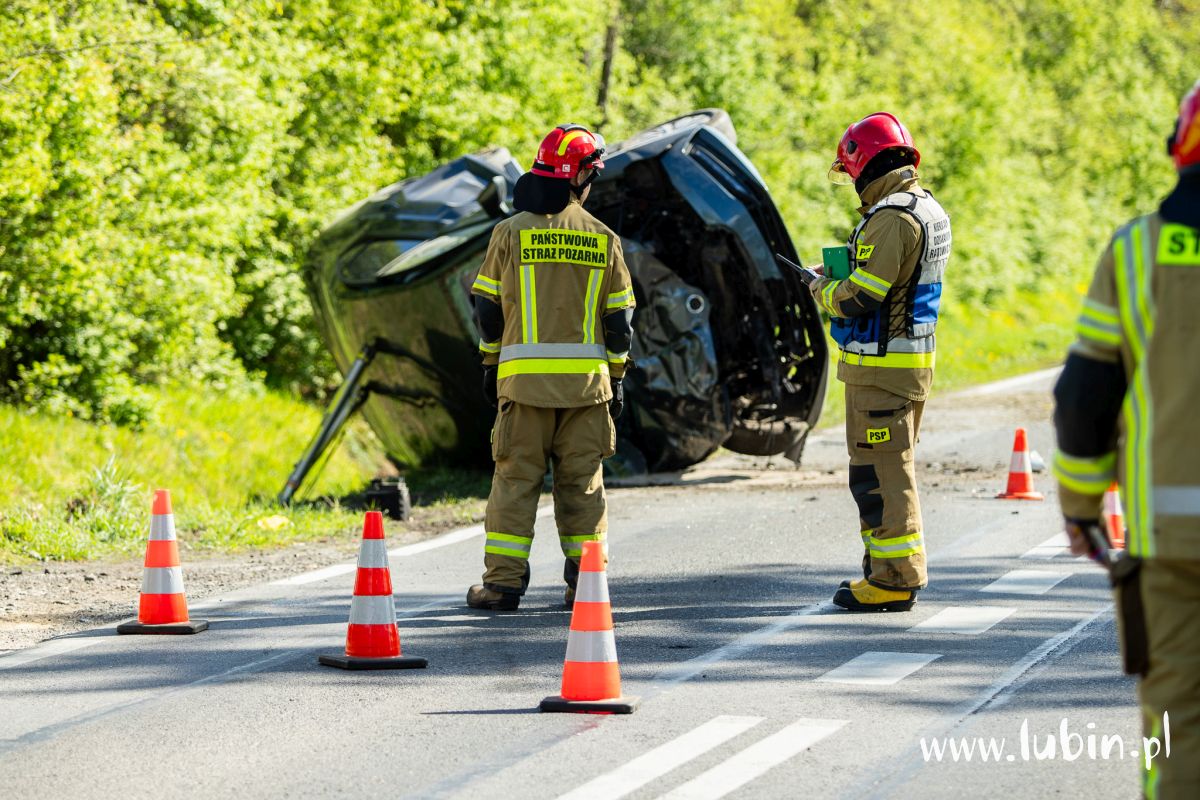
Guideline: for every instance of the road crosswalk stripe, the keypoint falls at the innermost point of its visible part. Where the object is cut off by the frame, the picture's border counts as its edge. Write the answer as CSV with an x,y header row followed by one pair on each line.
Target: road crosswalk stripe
x,y
664,758
964,620
1026,581
1056,545
876,668
756,760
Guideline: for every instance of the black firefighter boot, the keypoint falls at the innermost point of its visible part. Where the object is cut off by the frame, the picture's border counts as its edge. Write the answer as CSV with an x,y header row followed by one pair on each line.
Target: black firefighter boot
x,y
571,576
493,597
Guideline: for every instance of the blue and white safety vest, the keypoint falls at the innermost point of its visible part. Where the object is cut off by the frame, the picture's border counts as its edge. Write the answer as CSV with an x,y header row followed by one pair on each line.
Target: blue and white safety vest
x,y
870,336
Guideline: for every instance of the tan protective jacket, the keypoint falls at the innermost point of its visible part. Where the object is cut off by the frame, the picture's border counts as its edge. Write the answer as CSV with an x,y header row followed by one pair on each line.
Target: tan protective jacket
x,y
556,276
1142,312
888,252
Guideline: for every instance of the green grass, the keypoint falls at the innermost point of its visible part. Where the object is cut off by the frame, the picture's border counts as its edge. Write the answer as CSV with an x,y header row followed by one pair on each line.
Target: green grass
x,y
1021,334
74,490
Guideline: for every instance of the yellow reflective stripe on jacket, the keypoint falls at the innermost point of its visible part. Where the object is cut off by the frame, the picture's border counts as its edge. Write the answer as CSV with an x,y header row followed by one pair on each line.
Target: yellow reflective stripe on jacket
x,y
897,360
553,366
489,347
619,299
1085,475
1130,254
1099,323
827,296
591,304
487,285
616,358
897,546
529,331
874,285
508,544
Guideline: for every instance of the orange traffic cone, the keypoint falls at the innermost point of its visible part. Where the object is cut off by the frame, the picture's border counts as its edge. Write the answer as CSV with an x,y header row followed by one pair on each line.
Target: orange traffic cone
x,y
1114,517
163,605
1020,472
372,639
591,682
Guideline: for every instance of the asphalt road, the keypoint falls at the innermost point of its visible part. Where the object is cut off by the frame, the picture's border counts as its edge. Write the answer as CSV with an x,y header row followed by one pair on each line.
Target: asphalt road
x,y
753,685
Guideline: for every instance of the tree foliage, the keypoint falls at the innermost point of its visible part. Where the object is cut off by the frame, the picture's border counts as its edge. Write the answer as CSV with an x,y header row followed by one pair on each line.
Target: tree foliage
x,y
164,164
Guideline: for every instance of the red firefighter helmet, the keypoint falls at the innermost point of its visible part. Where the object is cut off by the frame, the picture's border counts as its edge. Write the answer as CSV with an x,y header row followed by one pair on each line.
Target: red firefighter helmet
x,y
866,139
1184,144
568,150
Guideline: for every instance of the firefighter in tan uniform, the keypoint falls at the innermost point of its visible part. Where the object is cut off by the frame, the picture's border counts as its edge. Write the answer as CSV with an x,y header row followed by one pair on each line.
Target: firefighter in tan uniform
x,y
1126,410
554,307
883,318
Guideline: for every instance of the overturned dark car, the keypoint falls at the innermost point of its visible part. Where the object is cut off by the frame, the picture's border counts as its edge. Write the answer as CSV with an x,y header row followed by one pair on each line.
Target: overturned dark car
x,y
729,348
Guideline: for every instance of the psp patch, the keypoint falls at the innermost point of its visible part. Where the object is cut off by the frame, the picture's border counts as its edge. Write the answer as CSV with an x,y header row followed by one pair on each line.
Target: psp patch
x,y
878,435
864,252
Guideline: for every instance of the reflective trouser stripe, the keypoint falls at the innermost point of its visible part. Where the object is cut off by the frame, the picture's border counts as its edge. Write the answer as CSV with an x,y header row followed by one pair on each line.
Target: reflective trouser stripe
x,y
554,366
519,352
1085,475
372,610
373,553
528,304
1177,501
591,646
866,537
507,544
1137,324
898,546
591,304
162,580
592,587
162,527
572,546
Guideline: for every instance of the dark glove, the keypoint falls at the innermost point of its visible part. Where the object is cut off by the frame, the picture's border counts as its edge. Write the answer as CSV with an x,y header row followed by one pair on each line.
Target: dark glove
x,y
489,385
617,404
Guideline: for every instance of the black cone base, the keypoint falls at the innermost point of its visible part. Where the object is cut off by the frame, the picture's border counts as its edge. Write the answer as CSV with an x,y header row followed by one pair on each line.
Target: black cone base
x,y
170,628
352,662
616,705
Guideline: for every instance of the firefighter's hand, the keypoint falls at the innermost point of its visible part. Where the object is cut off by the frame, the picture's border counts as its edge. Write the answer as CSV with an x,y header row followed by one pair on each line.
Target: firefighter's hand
x,y
489,385
617,404
1077,535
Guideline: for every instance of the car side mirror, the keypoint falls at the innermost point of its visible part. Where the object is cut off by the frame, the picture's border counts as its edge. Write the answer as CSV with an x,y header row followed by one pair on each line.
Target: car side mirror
x,y
492,198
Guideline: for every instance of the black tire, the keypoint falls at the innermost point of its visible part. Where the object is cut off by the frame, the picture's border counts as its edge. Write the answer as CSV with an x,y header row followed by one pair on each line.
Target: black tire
x,y
769,439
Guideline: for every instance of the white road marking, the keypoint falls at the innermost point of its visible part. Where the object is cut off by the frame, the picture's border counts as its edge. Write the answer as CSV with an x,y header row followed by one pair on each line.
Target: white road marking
x,y
445,540
54,647
1016,676
1054,546
664,758
1026,581
743,644
756,760
1008,385
875,668
316,575
964,620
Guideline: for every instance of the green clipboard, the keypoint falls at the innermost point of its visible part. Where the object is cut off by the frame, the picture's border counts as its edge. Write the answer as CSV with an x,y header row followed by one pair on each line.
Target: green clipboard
x,y
836,261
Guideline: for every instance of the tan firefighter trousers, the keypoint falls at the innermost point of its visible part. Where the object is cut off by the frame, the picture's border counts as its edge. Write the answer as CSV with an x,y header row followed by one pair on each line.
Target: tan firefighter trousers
x,y
573,441
1170,690
881,436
